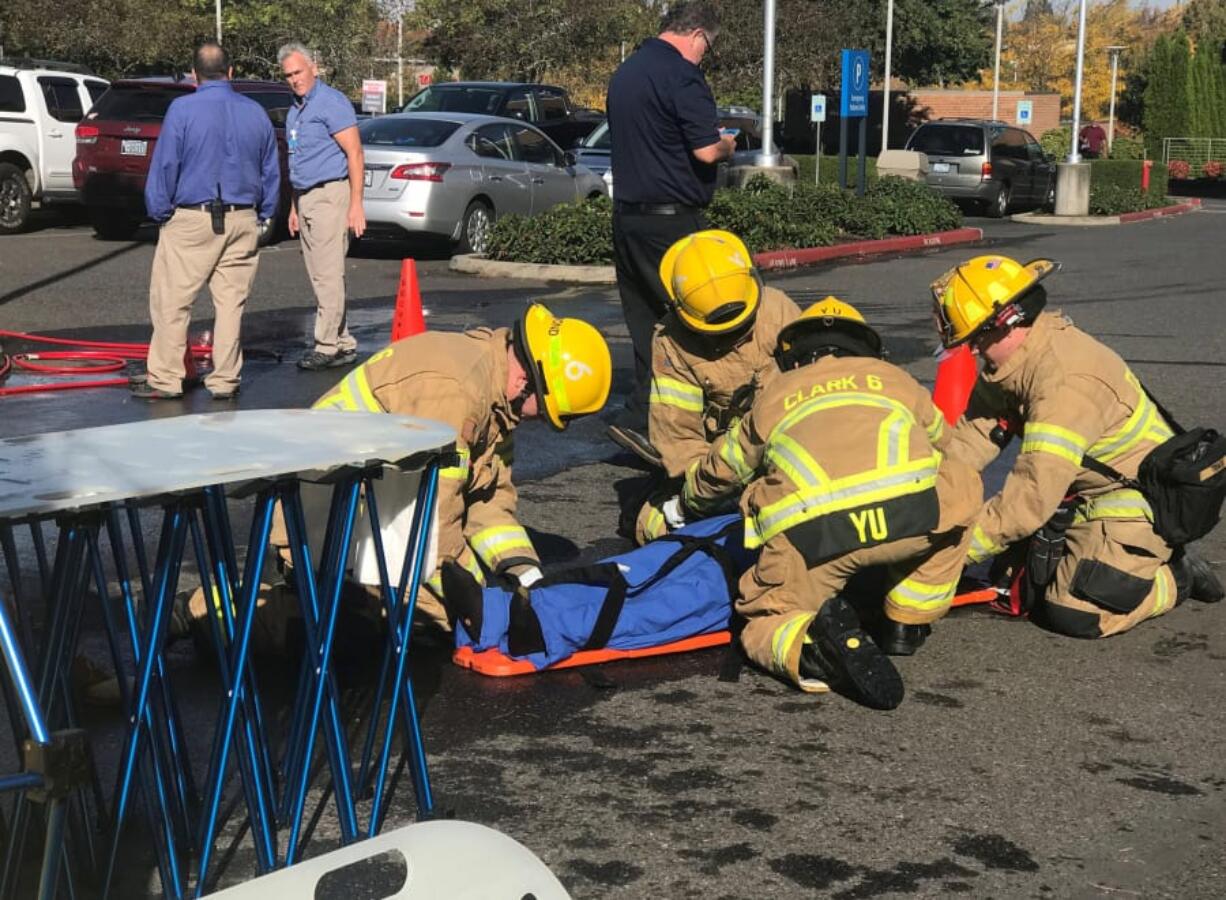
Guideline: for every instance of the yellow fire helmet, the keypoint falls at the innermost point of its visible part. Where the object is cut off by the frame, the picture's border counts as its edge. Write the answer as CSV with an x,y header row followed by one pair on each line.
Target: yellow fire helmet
x,y
568,361
972,296
829,322
710,277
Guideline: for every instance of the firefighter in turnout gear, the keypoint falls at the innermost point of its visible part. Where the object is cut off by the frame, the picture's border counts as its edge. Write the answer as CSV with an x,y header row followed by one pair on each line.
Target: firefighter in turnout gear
x,y
709,356
1095,567
841,470
482,383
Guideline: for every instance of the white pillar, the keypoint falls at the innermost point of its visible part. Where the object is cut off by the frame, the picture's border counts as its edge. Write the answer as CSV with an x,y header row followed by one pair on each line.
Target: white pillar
x,y
1000,24
218,10
1074,155
1115,60
885,91
767,157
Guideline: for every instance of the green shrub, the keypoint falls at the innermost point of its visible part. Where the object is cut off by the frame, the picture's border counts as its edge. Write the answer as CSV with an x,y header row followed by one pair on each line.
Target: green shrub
x,y
1126,173
1113,199
766,215
1057,142
830,169
576,234
1127,148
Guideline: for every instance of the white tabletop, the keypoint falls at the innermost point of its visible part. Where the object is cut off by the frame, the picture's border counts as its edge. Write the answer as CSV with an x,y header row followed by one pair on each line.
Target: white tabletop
x,y
66,470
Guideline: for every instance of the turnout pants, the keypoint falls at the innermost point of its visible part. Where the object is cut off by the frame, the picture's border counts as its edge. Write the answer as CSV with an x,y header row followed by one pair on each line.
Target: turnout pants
x,y
1114,574
639,243
323,224
189,256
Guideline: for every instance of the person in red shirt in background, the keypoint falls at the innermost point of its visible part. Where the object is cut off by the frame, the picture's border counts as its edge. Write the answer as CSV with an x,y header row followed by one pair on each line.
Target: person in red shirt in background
x,y
1092,141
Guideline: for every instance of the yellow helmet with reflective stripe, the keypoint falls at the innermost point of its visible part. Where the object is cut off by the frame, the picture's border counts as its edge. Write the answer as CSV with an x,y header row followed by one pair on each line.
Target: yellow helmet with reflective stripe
x,y
568,361
710,278
829,322
972,296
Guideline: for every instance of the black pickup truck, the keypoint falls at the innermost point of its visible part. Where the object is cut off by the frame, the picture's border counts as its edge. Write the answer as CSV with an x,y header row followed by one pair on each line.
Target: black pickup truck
x,y
546,106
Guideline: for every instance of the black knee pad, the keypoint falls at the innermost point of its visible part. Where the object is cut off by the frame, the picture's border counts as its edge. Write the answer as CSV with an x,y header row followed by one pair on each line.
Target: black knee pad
x,y
1072,622
1106,586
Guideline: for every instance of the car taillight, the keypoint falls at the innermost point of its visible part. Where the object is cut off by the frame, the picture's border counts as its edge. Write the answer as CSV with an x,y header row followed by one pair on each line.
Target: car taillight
x,y
428,171
986,170
87,134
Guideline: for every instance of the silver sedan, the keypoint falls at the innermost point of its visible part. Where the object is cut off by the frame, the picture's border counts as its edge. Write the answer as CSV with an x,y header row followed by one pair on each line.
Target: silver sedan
x,y
453,174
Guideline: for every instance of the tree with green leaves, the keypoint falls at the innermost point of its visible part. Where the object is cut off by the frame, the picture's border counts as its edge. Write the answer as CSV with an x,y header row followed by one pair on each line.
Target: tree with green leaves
x,y
1167,102
1205,21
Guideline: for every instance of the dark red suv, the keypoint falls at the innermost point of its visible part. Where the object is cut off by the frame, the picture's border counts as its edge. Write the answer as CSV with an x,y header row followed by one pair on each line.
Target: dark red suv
x,y
115,143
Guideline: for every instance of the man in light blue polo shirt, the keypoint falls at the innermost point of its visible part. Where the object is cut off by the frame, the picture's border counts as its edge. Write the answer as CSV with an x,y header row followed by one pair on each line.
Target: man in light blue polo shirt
x,y
326,172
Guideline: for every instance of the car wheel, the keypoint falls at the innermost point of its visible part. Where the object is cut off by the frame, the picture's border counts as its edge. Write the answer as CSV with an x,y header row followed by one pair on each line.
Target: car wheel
x,y
113,226
14,199
475,228
998,206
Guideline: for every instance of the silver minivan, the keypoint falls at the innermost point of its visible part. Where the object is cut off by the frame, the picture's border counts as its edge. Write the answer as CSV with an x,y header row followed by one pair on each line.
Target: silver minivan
x,y
993,165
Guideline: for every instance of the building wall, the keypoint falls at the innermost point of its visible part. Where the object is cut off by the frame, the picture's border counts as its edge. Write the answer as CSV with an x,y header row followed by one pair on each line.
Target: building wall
x,y
939,104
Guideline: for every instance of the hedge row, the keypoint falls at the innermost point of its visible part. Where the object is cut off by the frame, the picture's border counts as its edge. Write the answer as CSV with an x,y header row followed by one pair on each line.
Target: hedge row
x,y
767,216
1126,173
830,169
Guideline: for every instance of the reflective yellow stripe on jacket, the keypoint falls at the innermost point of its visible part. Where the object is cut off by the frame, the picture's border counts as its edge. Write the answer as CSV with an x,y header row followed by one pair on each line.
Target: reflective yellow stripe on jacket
x,y
458,472
911,594
1145,423
1040,437
497,542
982,547
894,475
470,565
1124,503
353,394
673,392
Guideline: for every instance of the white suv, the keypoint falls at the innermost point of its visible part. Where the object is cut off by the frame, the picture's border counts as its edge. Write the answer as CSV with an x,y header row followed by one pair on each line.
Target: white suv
x,y
40,105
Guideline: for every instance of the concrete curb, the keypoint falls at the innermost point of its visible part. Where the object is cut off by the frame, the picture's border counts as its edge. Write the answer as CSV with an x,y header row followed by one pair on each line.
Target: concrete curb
x,y
790,259
1177,209
473,264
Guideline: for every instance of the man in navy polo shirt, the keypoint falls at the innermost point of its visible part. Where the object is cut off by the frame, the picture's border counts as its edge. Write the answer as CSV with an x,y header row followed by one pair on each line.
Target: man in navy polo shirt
x,y
326,172
666,146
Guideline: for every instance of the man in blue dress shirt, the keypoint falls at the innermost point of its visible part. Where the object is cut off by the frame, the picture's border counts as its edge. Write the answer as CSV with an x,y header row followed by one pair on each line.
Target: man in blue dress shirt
x,y
213,178
326,172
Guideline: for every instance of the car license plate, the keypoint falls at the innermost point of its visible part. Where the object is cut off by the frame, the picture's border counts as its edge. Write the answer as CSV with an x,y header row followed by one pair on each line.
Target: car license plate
x,y
940,167
133,148
369,177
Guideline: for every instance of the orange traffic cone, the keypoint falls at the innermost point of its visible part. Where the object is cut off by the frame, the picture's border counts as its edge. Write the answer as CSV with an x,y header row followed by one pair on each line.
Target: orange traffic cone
x,y
956,375
408,319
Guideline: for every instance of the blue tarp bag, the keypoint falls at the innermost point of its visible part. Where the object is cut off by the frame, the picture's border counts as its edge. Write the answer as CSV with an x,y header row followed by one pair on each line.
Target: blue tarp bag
x,y
678,586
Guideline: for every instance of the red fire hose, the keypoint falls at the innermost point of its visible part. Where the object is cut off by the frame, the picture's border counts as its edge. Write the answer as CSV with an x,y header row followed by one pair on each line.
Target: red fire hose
x,y
85,358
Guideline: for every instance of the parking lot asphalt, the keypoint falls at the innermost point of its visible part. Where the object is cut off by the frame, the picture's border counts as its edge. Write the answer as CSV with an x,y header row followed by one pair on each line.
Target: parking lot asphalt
x,y
1022,764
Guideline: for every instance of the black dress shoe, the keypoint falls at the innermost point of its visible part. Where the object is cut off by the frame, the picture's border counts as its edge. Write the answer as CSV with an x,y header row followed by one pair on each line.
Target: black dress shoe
x,y
838,652
897,639
315,360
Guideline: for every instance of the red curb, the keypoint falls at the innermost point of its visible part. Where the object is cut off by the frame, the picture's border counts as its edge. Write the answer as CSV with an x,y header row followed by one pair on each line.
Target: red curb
x,y
1177,210
805,256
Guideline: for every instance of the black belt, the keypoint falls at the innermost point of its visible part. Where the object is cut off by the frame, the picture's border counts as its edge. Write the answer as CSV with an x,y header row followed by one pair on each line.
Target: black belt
x,y
320,184
207,207
654,209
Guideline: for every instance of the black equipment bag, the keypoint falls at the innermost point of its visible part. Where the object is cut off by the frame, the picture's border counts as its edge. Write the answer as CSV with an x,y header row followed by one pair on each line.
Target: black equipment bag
x,y
1184,480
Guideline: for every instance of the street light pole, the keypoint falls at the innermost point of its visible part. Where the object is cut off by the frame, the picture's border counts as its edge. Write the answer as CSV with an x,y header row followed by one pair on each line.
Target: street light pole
x,y
400,54
767,155
1000,26
218,9
1115,62
885,93
1074,155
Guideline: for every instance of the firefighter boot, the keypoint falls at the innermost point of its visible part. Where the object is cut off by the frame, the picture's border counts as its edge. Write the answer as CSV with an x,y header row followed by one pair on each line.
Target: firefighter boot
x,y
1195,578
838,652
899,639
463,598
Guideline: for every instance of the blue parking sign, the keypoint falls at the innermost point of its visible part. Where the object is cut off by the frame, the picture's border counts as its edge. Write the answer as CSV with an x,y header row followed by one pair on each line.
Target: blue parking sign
x,y
853,100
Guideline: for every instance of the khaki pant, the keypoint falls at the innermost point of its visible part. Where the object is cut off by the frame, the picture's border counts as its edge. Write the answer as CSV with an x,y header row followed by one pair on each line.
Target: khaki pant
x,y
323,224
780,595
1114,574
189,255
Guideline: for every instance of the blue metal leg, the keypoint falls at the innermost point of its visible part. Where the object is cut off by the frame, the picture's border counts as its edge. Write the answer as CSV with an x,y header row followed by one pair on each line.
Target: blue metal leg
x,y
411,573
53,850
260,528
170,551
391,605
320,647
13,563
221,539
222,627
